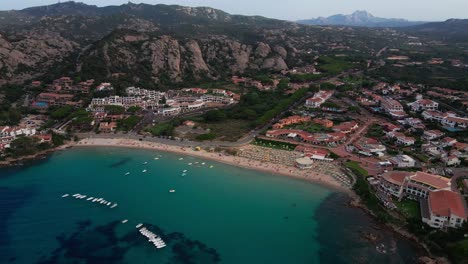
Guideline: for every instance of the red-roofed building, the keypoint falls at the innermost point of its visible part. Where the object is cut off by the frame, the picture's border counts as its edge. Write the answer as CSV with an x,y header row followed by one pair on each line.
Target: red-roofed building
x,y
433,134
444,209
291,120
313,153
346,127
301,136
324,122
47,138
413,185
389,127
424,104
107,127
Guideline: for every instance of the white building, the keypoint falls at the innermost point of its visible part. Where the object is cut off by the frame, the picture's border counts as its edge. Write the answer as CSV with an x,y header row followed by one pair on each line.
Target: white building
x,y
432,134
424,104
403,161
444,209
318,99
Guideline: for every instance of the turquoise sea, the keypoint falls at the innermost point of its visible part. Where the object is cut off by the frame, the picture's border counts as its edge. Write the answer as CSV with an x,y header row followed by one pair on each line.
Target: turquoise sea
x,y
221,214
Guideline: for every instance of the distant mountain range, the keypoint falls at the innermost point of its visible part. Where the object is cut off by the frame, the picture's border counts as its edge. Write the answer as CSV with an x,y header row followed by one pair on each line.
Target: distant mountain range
x,y
360,19
452,29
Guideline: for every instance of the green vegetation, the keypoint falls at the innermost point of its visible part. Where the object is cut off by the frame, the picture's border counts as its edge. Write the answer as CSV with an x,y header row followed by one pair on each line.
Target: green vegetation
x,y
215,116
334,65
23,146
375,131
311,128
229,129
304,77
161,129
208,136
255,108
10,116
61,112
134,109
409,208
273,144
128,123
114,109
356,168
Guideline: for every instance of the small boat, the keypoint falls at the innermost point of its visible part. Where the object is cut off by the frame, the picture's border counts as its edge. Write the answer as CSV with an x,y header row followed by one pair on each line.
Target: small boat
x,y
181,159
90,198
203,163
156,158
128,173
109,203
184,171
190,164
144,171
139,225
65,195
211,166
114,205
124,221
184,174
172,191
144,163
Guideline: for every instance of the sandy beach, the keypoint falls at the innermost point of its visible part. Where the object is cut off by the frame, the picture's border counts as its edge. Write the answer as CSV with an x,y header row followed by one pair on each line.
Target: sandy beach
x,y
279,169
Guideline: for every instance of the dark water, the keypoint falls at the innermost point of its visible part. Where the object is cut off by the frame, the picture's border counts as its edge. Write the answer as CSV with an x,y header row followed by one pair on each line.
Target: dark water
x,y
221,214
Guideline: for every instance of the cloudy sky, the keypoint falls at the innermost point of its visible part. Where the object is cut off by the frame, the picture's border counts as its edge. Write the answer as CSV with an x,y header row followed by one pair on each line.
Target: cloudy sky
x,y
427,10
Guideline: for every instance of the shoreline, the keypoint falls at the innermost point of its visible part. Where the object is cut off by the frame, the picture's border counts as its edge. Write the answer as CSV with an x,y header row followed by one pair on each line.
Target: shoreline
x,y
282,170
42,154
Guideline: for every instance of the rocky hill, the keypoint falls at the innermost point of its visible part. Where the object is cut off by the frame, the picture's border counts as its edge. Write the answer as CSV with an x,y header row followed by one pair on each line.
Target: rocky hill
x,y
360,19
162,44
452,29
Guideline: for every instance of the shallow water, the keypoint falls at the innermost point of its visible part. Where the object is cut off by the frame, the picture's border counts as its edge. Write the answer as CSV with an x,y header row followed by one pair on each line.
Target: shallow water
x,y
222,214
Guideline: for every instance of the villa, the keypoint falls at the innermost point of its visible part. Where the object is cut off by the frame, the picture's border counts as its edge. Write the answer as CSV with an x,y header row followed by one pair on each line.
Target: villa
x,y
403,161
393,108
424,104
318,99
432,134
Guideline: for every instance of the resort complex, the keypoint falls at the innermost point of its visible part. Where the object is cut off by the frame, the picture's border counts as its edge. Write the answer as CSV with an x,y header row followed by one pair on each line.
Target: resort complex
x,y
164,106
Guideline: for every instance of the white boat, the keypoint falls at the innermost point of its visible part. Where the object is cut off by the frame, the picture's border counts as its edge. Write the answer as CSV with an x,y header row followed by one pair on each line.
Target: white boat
x,y
172,191
139,225
190,164
124,221
184,171
144,163
184,174
203,163
128,173
144,171
109,203
211,166
89,198
95,200
156,158
181,159
65,195
114,205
